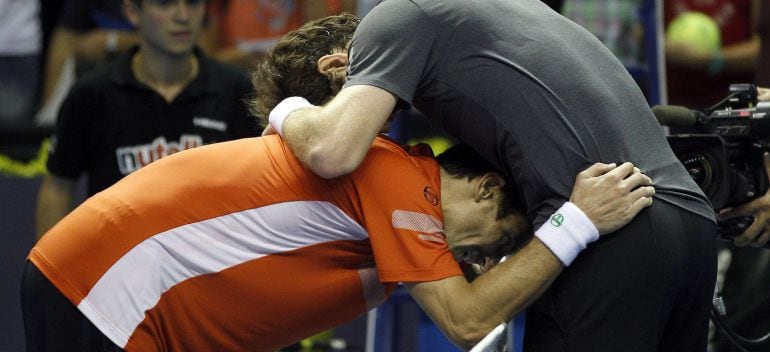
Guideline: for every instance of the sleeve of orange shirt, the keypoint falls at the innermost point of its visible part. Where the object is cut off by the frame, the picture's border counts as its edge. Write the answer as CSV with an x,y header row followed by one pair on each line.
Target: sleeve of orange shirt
x,y
401,209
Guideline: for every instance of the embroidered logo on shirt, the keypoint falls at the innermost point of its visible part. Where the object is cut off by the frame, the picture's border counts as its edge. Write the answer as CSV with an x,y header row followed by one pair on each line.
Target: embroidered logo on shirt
x,y
557,219
132,158
430,196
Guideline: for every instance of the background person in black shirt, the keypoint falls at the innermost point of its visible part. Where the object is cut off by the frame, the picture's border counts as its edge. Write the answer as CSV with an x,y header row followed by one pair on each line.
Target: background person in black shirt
x,y
157,99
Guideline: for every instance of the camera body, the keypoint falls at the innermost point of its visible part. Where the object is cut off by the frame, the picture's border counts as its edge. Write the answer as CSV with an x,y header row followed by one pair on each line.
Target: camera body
x,y
722,151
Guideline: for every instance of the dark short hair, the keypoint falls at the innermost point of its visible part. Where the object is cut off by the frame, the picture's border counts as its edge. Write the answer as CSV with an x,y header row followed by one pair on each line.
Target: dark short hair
x,y
290,68
461,160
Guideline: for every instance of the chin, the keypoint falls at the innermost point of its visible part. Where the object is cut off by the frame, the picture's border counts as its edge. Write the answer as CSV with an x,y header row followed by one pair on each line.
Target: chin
x,y
180,52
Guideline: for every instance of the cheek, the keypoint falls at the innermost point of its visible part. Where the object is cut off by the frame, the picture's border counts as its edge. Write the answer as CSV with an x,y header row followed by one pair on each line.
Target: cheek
x,y
152,24
156,17
519,224
197,16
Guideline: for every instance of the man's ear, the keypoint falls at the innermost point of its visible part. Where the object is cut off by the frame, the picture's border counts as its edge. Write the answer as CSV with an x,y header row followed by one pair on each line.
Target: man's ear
x,y
490,183
332,61
131,11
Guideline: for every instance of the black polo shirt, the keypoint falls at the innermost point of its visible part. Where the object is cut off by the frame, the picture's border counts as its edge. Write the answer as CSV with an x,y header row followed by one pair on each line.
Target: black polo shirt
x,y
111,124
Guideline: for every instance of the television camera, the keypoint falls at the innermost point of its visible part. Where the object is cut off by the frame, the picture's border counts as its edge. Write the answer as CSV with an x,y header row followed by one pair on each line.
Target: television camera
x,y
722,149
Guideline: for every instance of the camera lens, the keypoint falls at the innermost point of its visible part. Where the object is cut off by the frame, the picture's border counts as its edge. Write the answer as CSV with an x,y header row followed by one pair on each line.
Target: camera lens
x,y
700,169
705,159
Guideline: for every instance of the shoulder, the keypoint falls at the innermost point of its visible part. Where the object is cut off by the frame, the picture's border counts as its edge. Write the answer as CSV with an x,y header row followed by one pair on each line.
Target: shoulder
x,y
106,78
224,79
220,72
386,148
398,15
95,80
387,159
90,90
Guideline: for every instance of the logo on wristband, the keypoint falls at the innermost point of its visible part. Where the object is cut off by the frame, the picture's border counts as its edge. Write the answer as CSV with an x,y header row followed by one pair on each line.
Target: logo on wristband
x,y
557,219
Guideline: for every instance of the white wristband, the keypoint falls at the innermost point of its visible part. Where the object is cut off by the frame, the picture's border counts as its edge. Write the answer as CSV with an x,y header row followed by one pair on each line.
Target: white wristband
x,y
567,232
281,111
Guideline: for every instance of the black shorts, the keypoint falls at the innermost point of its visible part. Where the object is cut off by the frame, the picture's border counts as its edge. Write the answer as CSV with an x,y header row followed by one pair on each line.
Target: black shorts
x,y
647,287
52,323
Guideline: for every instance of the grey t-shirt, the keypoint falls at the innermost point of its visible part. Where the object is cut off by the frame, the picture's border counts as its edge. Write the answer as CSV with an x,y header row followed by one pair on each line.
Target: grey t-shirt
x,y
531,91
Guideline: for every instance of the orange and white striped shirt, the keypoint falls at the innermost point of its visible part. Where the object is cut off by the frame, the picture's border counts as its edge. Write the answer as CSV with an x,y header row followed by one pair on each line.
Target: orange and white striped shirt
x,y
235,246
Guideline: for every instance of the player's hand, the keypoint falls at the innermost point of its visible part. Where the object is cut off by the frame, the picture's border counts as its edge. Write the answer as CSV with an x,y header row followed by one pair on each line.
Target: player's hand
x,y
611,196
268,131
758,233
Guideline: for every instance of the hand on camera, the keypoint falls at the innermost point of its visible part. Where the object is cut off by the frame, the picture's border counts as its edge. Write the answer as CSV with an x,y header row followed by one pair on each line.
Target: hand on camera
x,y
763,94
611,196
758,233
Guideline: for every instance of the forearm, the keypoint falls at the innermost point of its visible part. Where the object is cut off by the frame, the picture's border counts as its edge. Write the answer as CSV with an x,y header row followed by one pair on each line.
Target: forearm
x,y
466,312
62,42
742,57
53,203
601,202
604,199
97,44
333,140
330,150
516,283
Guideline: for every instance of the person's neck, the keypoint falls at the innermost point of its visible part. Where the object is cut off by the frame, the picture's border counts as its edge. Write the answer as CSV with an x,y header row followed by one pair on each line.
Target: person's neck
x,y
165,74
448,187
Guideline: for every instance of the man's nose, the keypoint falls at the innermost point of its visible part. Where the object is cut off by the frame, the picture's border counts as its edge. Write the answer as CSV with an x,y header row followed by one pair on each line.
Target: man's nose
x,y
182,11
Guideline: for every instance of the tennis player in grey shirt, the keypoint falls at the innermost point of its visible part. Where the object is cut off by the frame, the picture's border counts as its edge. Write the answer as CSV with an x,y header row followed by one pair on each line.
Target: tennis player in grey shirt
x,y
542,99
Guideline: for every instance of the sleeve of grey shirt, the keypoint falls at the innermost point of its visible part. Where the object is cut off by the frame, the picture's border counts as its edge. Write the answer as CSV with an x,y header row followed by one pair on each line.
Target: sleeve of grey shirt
x,y
391,48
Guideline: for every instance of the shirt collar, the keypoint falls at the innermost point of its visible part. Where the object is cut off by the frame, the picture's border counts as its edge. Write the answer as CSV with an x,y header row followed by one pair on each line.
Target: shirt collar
x,y
122,74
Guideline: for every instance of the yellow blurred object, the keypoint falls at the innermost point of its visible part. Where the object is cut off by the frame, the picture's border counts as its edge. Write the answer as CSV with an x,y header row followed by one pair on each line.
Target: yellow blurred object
x,y
697,30
437,143
33,168
310,343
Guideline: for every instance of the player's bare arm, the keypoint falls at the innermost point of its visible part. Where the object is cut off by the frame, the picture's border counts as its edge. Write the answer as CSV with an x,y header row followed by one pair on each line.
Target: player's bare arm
x,y
53,203
609,196
332,140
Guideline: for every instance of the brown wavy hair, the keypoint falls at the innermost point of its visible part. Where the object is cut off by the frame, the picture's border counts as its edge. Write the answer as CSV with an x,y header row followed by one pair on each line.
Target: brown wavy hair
x,y
290,68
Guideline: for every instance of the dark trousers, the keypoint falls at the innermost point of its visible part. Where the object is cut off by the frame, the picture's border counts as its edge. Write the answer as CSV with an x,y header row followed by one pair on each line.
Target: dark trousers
x,y
52,323
646,288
